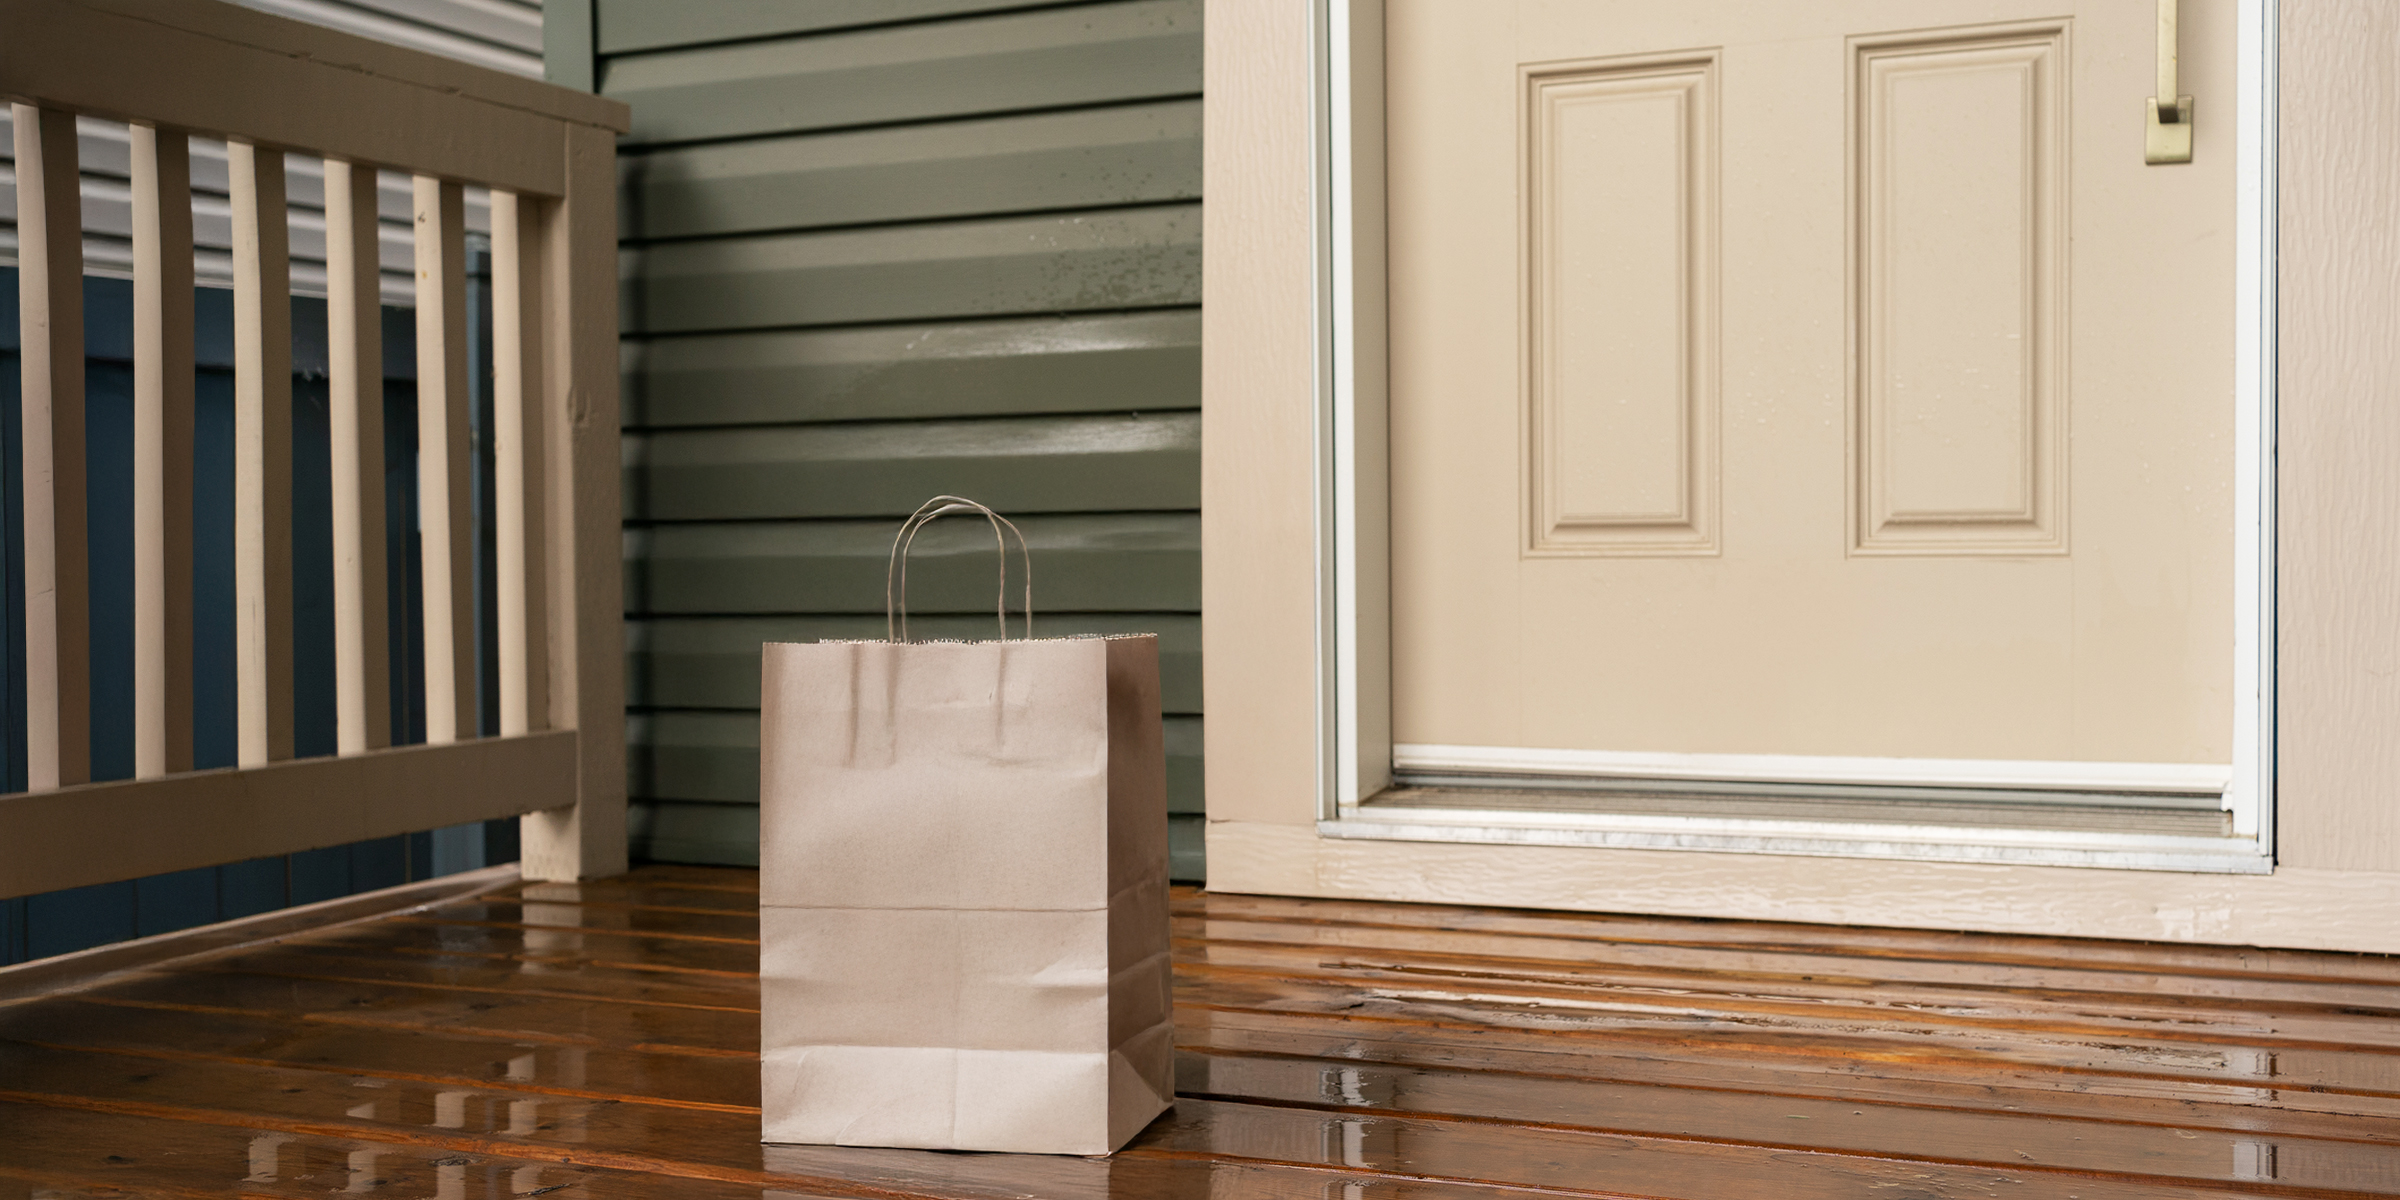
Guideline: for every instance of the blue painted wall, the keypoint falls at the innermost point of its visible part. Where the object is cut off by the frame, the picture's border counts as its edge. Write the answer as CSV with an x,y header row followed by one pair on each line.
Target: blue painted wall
x,y
59,922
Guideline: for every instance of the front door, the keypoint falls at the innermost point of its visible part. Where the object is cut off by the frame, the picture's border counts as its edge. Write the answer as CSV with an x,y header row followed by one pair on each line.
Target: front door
x,y
1811,390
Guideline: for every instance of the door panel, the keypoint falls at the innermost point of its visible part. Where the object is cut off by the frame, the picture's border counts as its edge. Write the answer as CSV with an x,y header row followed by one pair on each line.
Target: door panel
x,y
1809,379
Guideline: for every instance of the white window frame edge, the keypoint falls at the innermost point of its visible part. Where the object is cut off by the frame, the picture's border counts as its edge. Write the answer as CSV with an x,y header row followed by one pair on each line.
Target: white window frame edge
x,y
1351,466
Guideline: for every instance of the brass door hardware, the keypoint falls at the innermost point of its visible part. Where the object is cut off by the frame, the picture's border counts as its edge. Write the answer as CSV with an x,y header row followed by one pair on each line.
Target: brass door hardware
x,y
2169,138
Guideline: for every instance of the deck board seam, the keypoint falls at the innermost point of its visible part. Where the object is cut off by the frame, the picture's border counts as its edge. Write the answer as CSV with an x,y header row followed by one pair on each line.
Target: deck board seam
x,y
356,1021
1793,1014
1762,1094
430,919
459,1081
1957,1064
581,997
1829,949
1571,972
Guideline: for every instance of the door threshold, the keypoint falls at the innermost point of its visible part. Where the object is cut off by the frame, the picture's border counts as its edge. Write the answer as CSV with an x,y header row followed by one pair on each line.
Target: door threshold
x,y
1858,823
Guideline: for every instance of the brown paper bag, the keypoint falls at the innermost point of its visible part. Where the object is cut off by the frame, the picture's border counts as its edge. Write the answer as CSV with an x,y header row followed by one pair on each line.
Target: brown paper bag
x,y
963,891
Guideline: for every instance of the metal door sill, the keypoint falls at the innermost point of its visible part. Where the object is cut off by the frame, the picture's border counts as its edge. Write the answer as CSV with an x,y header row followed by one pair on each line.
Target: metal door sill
x,y
1863,825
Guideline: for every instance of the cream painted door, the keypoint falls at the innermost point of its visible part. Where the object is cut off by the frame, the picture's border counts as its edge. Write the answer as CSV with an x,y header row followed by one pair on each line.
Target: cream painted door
x,y
1830,380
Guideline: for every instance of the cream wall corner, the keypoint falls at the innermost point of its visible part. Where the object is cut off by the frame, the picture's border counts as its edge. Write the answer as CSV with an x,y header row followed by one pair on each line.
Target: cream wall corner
x,y
2338,443
1257,444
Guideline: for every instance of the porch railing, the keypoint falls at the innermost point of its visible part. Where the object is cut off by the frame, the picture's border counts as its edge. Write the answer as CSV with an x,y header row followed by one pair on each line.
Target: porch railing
x,y
268,85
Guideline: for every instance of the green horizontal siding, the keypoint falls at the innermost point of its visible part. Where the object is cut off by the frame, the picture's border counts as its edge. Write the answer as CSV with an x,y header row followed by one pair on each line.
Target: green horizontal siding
x,y
647,24
712,758
1135,258
1139,154
1102,362
679,831
875,250
1017,464
1052,58
712,662
727,835
1117,562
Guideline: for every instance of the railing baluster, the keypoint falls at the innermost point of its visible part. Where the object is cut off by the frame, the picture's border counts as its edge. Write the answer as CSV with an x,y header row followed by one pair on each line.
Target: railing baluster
x,y
444,537
162,451
262,455
264,87
58,704
354,330
516,470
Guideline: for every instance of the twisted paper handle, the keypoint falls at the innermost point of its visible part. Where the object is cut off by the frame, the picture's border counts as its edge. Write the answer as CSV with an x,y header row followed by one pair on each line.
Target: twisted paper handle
x,y
895,597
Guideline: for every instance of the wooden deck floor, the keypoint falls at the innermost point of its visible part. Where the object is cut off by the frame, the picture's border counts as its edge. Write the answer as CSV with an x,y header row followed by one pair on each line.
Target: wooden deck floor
x,y
599,1040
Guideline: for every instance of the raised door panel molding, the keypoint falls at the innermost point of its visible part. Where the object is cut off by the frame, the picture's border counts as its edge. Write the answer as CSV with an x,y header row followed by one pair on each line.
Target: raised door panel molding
x,y
1620,249
1959,243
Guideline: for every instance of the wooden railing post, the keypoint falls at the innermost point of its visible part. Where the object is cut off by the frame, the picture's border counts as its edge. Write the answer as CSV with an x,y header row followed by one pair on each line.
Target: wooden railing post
x,y
354,354
582,544
445,537
262,455
162,451
270,87
516,463
58,697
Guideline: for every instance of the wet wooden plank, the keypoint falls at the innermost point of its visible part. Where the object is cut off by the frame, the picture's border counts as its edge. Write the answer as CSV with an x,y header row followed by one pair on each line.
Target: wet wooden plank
x,y
1740,959
617,891
1797,1040
671,876
2308,1105
606,1031
2001,1140
408,1120
706,964
482,976
682,1142
1858,942
2061,1012
1579,1163
538,1020
53,1151
729,928
441,1056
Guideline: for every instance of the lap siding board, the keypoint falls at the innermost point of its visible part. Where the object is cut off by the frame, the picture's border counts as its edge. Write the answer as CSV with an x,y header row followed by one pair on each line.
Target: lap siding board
x,y
877,250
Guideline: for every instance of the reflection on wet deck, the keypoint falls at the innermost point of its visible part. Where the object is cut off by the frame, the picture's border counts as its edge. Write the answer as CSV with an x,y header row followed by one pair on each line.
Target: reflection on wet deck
x,y
600,1040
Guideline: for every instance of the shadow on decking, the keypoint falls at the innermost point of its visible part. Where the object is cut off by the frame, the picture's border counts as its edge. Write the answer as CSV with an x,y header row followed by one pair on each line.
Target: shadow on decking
x,y
502,1039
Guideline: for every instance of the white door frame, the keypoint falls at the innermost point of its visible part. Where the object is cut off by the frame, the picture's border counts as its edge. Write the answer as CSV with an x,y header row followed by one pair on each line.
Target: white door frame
x,y
1351,463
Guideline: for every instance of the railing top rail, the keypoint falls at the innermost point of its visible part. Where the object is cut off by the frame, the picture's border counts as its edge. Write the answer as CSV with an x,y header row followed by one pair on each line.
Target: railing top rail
x,y
219,70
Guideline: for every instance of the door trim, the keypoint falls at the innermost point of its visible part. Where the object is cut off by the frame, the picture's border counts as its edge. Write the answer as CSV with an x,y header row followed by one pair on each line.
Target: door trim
x,y
2182,781
1351,462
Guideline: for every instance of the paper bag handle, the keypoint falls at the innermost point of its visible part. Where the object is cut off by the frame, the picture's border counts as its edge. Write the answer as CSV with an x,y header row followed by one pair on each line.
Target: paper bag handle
x,y
895,595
